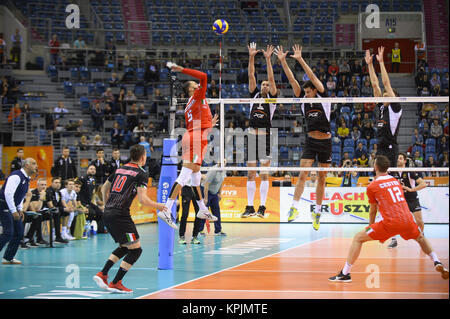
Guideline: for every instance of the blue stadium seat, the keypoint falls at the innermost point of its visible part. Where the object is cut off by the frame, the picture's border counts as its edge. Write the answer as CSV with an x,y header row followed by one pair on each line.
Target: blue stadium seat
x,y
373,141
349,150
348,142
68,87
336,148
363,141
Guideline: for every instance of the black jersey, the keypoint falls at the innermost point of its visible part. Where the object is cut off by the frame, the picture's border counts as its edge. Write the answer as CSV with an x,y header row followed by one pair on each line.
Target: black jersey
x,y
124,183
388,124
408,179
261,114
317,115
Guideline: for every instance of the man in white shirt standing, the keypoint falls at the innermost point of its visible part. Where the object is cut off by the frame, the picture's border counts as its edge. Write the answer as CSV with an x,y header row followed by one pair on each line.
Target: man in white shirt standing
x,y
69,197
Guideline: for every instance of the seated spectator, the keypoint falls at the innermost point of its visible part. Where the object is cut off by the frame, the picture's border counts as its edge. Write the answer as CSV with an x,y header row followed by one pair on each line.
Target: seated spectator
x,y
346,160
418,159
331,84
117,135
359,151
213,90
97,115
139,130
113,80
354,91
295,129
444,161
435,80
132,117
333,69
430,162
98,140
342,83
368,132
356,134
372,157
151,129
14,113
417,139
83,144
343,131
362,161
121,103
358,109
423,83
130,98
436,90
367,90
445,114
369,109
108,96
60,109
143,113
434,114
344,68
425,130
436,129
108,112
356,68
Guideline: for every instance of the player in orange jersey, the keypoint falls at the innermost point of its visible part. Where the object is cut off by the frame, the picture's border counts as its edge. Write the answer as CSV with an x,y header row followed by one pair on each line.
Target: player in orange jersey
x,y
194,143
385,194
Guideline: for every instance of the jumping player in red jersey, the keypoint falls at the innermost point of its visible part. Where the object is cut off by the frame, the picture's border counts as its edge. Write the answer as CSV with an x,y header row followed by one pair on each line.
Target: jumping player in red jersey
x,y
199,123
385,194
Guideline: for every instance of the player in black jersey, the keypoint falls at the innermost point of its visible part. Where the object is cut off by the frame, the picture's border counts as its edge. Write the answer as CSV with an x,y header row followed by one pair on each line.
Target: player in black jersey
x,y
119,191
412,183
388,121
258,146
318,139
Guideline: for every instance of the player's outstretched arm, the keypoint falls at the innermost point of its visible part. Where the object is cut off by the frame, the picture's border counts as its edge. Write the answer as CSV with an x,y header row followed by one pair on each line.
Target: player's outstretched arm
x,y
372,74
384,74
287,70
270,76
251,66
298,56
145,200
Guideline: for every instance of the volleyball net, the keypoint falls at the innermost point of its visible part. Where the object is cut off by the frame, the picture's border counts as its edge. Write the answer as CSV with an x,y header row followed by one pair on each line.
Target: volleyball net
x,y
228,143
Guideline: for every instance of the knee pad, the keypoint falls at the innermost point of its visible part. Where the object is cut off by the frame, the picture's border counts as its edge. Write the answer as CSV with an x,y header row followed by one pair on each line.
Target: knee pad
x,y
196,179
119,252
133,255
184,176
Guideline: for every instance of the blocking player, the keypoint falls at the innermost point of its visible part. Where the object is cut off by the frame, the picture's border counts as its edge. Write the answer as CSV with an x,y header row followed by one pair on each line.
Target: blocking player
x,y
194,143
388,122
385,194
318,139
258,146
411,183
119,191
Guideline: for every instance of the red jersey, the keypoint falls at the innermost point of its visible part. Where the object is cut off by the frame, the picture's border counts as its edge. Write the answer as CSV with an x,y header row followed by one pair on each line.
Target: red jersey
x,y
197,113
387,192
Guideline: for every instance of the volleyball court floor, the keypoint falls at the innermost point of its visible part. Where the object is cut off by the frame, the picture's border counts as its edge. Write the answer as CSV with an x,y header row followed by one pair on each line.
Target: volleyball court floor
x,y
255,261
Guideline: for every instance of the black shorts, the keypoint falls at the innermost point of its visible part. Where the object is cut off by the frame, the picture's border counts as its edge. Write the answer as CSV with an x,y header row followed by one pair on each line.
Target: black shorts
x,y
390,152
413,204
319,150
258,148
121,227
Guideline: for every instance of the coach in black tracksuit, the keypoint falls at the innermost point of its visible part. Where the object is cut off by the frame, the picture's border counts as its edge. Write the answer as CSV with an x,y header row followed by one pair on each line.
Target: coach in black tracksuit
x,y
64,166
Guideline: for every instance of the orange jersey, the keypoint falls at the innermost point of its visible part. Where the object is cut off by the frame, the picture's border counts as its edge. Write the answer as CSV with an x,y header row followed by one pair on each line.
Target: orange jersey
x,y
197,112
387,192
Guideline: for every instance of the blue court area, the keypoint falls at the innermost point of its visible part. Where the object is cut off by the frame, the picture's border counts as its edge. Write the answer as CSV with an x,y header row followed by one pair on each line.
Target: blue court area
x,y
48,273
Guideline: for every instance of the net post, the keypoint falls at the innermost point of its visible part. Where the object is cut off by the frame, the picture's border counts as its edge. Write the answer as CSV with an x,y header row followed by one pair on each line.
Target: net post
x,y
222,133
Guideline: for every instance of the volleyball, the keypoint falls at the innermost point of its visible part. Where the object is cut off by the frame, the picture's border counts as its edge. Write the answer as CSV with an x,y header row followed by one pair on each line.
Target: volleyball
x,y
220,26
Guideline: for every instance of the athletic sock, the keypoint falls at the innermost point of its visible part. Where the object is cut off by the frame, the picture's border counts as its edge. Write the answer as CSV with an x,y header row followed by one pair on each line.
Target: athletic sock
x,y
201,205
109,263
434,257
169,204
63,230
251,188
346,269
318,209
120,274
296,204
263,190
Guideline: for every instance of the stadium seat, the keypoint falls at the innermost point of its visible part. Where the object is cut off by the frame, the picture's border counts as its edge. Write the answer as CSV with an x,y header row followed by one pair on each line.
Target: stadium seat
x,y
348,142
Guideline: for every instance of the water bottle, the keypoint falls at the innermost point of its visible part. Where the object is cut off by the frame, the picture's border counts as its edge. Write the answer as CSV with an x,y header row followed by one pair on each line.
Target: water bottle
x,y
87,227
93,228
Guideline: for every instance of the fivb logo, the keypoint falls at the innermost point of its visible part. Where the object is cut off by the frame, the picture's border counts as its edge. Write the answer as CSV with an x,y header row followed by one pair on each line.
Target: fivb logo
x,y
73,19
373,17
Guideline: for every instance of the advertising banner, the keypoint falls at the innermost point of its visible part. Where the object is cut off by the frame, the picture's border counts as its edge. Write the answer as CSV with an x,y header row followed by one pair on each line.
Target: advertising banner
x,y
351,205
42,154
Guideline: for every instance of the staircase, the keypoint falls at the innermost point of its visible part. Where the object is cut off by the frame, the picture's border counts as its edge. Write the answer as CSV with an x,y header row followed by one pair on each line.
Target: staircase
x,y
436,25
134,10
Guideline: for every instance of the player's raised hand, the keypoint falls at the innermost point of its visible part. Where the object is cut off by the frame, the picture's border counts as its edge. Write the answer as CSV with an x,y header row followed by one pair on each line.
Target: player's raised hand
x,y
368,57
174,67
268,52
297,52
252,49
215,120
279,52
380,54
